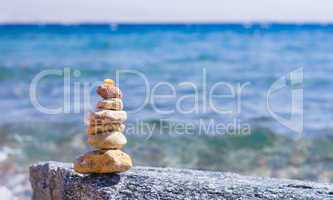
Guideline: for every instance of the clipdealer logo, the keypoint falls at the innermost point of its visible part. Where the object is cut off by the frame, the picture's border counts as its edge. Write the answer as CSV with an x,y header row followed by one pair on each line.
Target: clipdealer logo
x,y
293,81
205,98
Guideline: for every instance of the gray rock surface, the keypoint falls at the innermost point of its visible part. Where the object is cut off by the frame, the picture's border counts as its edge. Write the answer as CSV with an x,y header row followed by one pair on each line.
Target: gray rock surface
x,y
55,181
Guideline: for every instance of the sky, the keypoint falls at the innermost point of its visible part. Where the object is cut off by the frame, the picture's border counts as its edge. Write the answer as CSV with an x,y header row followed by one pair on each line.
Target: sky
x,y
136,11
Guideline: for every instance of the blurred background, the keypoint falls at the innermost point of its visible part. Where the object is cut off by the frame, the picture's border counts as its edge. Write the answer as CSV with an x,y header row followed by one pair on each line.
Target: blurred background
x,y
237,42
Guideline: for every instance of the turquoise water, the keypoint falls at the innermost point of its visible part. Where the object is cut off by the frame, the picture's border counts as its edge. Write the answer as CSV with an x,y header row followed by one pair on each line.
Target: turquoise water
x,y
233,53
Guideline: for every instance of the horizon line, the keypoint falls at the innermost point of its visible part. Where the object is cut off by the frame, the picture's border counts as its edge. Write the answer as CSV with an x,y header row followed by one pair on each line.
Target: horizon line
x,y
167,23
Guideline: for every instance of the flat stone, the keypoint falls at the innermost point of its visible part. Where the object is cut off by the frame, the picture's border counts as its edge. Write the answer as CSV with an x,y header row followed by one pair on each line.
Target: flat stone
x,y
103,128
110,104
103,161
107,116
108,140
58,181
107,91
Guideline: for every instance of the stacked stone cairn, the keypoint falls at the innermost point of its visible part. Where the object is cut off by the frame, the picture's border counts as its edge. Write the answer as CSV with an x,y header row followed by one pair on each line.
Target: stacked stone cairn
x,y
105,134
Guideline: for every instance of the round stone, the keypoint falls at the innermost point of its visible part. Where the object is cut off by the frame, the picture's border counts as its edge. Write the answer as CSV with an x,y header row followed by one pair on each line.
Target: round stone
x,y
108,82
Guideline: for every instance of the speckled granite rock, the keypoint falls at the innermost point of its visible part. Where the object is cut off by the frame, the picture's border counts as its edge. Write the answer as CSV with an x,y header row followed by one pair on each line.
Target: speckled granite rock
x,y
54,180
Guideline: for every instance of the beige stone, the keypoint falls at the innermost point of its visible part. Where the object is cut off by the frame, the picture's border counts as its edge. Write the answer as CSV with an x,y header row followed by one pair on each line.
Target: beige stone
x,y
107,91
107,117
102,128
108,82
110,104
109,140
103,161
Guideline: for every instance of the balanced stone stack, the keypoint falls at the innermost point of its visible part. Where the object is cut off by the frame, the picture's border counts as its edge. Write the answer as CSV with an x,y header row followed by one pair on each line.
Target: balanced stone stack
x,y
105,134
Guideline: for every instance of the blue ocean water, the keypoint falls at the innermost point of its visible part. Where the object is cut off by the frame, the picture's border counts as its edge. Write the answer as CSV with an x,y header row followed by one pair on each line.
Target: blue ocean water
x,y
258,54
233,53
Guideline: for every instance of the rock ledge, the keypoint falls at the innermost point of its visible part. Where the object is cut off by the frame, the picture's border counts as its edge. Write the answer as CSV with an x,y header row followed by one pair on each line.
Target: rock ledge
x,y
58,181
